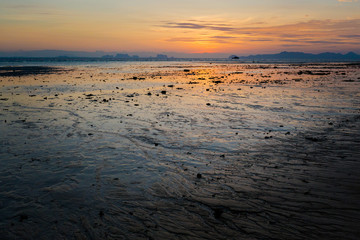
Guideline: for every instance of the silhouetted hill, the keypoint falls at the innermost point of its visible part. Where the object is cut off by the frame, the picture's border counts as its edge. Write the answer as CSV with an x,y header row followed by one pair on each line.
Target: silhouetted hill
x,y
60,55
303,57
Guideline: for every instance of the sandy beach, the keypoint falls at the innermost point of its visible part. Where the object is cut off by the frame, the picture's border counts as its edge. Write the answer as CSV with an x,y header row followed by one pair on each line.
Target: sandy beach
x,y
180,150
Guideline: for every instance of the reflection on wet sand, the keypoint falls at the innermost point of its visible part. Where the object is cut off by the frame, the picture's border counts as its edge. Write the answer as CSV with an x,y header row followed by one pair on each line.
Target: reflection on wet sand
x,y
180,151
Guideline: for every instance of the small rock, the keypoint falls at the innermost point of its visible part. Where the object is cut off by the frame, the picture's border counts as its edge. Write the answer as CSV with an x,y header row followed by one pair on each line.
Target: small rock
x,y
23,217
101,213
198,175
218,212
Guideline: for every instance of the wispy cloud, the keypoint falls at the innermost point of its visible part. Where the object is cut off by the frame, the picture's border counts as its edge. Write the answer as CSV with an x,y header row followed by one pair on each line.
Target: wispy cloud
x,y
199,25
311,32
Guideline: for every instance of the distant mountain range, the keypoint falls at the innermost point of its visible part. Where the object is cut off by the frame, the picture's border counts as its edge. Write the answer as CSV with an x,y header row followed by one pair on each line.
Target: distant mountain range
x,y
59,55
300,57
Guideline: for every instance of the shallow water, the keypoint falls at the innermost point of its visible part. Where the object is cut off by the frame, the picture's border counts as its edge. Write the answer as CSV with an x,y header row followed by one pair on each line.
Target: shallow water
x,y
181,150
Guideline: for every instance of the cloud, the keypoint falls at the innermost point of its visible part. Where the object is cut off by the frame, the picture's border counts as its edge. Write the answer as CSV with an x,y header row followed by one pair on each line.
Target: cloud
x,y
316,32
187,25
350,36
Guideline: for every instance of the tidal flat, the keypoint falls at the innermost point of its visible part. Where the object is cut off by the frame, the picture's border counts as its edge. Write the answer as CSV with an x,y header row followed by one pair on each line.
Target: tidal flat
x,y
180,150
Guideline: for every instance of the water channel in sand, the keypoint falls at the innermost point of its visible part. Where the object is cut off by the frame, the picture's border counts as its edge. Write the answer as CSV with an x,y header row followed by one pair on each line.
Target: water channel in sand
x,y
180,150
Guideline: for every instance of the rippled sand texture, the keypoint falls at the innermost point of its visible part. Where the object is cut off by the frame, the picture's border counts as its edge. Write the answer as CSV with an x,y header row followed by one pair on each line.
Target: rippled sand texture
x,y
181,151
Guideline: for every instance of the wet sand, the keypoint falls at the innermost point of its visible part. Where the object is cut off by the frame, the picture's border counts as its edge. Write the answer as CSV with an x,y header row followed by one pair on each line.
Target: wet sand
x,y
180,150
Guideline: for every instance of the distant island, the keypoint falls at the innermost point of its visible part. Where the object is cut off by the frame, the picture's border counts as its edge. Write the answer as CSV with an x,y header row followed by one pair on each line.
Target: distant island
x,y
59,55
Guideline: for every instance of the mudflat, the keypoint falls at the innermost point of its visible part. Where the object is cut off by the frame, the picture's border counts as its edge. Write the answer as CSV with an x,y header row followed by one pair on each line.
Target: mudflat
x,y
180,150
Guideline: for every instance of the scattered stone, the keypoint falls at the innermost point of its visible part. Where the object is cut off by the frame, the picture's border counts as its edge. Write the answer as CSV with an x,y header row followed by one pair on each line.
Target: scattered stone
x,y
199,175
313,139
101,213
163,92
23,217
191,82
218,212
208,104
217,81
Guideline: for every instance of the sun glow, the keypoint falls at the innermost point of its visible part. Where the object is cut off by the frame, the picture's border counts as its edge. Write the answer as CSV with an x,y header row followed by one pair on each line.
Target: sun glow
x,y
232,26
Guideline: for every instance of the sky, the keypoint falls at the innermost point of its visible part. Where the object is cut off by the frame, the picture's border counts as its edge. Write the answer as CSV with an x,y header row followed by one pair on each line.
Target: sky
x,y
240,27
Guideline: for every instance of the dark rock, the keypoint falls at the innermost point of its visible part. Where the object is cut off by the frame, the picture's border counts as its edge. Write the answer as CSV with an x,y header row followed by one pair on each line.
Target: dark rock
x,y
218,212
313,139
199,175
23,217
163,92
101,213
217,81
208,104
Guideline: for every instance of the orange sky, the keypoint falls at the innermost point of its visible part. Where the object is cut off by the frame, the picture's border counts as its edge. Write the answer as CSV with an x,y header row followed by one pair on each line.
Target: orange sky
x,y
197,26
